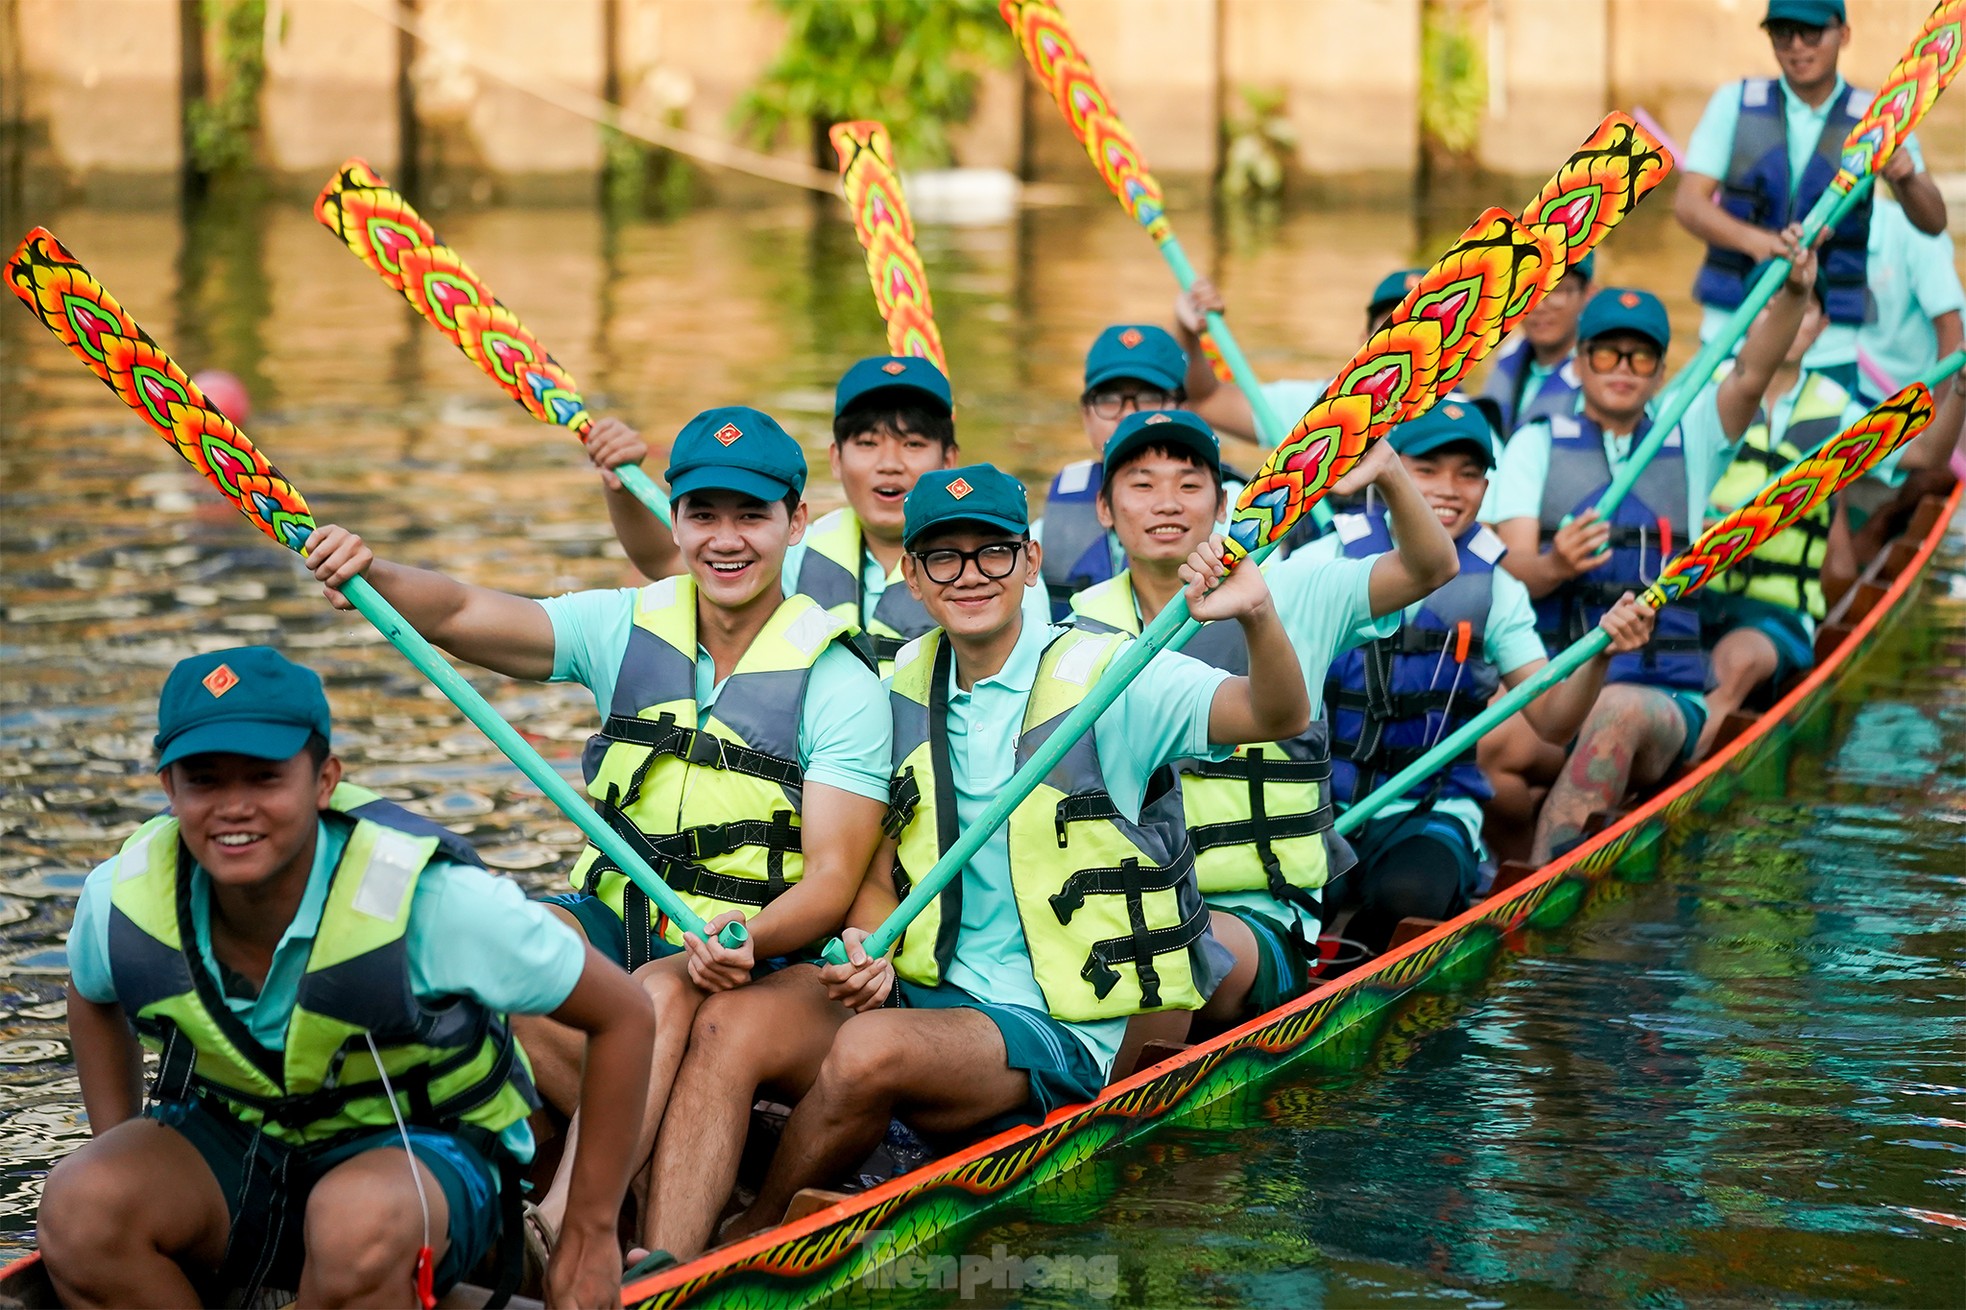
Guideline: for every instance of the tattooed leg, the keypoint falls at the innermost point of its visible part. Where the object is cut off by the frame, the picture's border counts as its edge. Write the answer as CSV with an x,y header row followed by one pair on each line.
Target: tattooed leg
x,y
1632,736
1520,766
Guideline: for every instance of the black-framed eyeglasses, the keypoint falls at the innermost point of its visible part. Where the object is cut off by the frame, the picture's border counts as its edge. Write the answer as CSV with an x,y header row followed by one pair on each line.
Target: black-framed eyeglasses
x,y
1113,402
1644,360
1782,32
945,565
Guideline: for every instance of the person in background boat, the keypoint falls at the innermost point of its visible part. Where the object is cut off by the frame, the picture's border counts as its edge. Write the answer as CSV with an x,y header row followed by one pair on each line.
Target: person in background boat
x,y
1017,982
1918,302
1764,152
227,392
1535,375
1260,819
1429,670
1222,403
893,420
1543,505
1131,368
744,744
274,935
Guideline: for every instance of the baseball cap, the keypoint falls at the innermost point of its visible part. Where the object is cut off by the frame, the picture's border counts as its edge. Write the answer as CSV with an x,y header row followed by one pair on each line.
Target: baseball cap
x,y
1178,428
736,448
915,381
249,700
975,493
1623,309
1392,289
1139,351
1456,421
1810,13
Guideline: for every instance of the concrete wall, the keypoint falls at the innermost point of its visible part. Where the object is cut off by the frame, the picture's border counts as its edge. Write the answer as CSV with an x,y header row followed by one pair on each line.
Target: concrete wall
x,y
101,96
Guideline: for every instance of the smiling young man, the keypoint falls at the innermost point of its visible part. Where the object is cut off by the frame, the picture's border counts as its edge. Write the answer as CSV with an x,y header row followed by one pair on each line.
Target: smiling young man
x,y
1551,476
744,745
1388,701
1258,819
275,936
1017,981
1764,152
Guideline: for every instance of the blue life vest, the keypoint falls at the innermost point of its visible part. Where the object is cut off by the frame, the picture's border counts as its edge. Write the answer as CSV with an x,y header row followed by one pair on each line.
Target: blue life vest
x,y
1758,189
1557,396
1390,700
1078,548
1646,528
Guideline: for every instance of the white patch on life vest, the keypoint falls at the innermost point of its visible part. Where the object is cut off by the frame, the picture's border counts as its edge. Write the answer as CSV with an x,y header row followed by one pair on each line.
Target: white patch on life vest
x,y
1351,527
1672,438
134,861
810,631
1486,546
659,594
907,654
394,863
1857,103
1073,478
1075,665
1756,91
1569,372
1564,425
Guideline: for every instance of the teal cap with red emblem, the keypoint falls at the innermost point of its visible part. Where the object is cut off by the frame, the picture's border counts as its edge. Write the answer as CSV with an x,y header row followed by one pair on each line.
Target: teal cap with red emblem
x,y
249,700
736,448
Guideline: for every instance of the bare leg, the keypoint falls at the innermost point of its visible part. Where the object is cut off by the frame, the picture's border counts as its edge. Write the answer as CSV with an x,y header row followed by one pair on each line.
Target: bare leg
x,y
675,998
1632,737
1520,766
120,1214
947,1068
363,1229
1742,661
554,1049
774,1033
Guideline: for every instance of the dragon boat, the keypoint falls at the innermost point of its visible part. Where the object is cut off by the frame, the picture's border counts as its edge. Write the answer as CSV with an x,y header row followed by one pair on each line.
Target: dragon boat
x,y
833,1241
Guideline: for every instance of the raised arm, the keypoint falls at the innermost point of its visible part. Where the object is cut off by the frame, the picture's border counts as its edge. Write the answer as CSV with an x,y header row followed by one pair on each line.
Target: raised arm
x,y
1768,341
1225,407
648,544
1272,703
1422,559
504,633
1925,204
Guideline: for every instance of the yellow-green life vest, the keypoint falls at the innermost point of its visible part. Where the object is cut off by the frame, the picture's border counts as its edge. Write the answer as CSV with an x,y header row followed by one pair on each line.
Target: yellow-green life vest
x,y
1258,819
831,573
1787,570
710,800
454,1065
1110,910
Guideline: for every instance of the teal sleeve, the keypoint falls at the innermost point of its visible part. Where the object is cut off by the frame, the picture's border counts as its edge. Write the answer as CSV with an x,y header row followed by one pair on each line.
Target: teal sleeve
x,y
1161,717
1292,398
1934,275
475,934
88,937
846,734
1326,606
590,635
1711,146
1709,450
1916,151
1516,489
1511,640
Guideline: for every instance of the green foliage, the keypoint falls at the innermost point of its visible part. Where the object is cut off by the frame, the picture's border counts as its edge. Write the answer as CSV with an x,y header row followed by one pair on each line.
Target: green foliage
x,y
1453,79
912,64
1259,138
219,130
643,179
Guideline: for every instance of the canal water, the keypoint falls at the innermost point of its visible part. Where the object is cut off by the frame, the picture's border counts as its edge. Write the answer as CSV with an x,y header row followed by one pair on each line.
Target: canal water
x,y
1736,1084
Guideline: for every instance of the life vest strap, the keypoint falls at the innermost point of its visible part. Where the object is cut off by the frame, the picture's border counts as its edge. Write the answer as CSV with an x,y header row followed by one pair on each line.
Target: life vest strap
x,y
665,736
1129,878
673,855
1139,948
1279,770
904,797
1242,832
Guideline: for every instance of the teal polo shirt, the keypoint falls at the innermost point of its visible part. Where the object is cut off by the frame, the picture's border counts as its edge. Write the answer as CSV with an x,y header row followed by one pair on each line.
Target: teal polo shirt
x,y
1913,280
1711,148
1161,717
846,733
470,934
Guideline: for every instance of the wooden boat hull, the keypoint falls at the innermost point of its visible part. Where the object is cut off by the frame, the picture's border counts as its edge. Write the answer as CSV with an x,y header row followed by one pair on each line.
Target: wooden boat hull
x,y
1335,1025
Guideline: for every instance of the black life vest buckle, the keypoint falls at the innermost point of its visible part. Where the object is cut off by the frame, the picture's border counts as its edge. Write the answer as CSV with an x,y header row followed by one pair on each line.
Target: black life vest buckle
x,y
705,749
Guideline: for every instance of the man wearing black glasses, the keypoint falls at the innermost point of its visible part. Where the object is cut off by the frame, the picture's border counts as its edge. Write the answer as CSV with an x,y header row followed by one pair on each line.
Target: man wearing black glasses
x,y
1541,503
1764,152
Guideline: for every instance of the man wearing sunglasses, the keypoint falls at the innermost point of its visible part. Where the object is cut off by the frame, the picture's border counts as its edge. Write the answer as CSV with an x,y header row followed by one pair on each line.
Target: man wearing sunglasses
x,y
1551,476
1764,152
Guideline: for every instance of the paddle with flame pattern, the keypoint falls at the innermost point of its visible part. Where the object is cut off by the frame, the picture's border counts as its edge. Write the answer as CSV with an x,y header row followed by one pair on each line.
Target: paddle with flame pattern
x,y
887,232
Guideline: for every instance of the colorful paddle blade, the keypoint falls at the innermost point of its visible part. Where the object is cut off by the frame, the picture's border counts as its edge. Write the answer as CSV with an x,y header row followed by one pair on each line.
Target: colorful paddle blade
x,y
1907,93
1064,72
887,233
86,318
1617,166
388,235
1477,292
1801,488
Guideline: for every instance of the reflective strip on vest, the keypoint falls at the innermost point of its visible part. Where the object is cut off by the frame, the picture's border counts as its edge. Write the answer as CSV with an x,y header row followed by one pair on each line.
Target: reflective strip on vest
x,y
832,574
1111,914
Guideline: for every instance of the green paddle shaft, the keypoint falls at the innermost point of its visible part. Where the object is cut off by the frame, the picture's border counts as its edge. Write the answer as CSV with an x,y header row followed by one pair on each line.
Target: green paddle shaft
x,y
1827,211
642,487
1170,629
1270,427
392,625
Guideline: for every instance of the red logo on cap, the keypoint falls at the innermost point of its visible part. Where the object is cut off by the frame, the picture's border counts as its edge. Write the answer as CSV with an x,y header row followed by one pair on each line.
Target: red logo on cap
x,y
959,488
894,367
1453,411
1629,300
1158,418
220,680
728,433
1131,338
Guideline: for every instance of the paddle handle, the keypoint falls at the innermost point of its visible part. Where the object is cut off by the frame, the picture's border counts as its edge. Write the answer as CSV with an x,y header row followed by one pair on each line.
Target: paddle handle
x,y
642,487
397,630
1270,427
1828,210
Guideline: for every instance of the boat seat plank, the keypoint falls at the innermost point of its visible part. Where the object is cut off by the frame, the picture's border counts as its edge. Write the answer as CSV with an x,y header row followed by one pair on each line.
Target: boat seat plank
x,y
1156,1051
809,1200
1410,929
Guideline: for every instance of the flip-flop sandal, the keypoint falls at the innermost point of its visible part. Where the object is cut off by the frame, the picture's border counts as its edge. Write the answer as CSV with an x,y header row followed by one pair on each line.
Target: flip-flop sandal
x,y
648,1264
539,1241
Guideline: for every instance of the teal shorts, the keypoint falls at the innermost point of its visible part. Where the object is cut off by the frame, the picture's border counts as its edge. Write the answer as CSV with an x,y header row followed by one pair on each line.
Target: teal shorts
x,y
1692,707
604,928
1282,972
1061,1069
1786,630
266,1185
